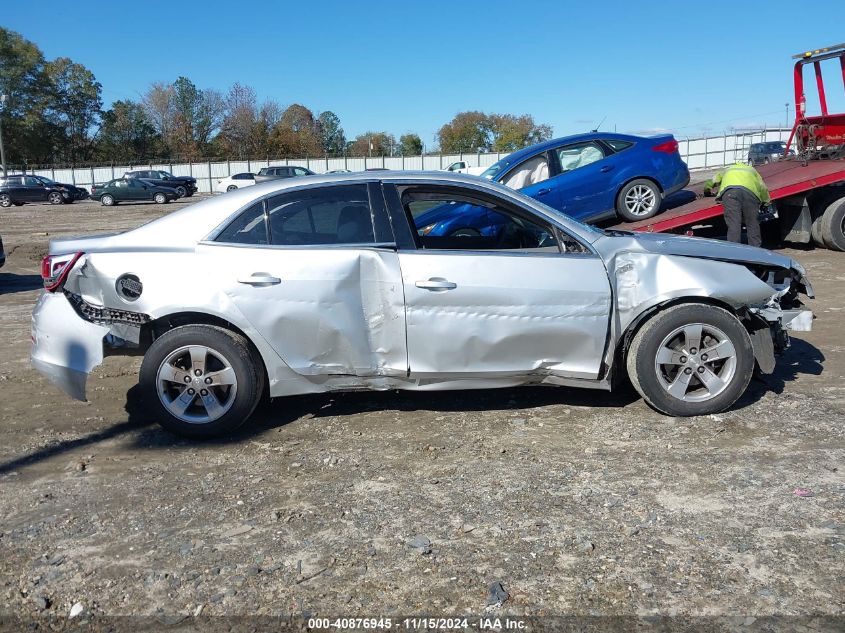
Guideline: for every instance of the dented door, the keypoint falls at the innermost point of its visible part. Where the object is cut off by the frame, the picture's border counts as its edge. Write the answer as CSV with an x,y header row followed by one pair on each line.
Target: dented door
x,y
472,313
324,310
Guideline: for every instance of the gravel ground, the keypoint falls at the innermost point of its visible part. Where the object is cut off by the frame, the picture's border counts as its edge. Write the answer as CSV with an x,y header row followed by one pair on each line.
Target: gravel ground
x,y
510,503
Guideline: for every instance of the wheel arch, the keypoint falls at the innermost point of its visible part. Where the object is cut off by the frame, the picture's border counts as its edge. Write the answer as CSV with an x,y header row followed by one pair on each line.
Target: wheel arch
x,y
153,329
623,343
763,349
631,179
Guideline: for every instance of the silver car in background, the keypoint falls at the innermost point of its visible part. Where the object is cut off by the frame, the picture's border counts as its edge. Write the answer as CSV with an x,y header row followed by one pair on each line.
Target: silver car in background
x,y
326,283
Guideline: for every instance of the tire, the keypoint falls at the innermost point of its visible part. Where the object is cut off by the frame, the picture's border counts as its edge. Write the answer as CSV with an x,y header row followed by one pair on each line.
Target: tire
x,y
815,233
5,200
160,198
832,225
107,200
181,191
640,199
653,380
55,198
231,188
178,354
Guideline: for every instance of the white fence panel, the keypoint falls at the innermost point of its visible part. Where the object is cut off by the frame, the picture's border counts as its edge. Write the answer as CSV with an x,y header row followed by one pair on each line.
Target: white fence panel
x,y
698,153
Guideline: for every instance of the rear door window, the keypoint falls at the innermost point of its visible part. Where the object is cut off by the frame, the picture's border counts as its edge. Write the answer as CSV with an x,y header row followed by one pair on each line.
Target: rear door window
x,y
579,155
328,215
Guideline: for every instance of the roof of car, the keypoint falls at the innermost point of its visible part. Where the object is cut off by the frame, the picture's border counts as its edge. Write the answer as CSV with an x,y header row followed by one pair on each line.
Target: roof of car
x,y
525,152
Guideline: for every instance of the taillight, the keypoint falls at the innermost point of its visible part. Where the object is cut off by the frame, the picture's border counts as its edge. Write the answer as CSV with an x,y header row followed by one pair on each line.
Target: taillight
x,y
55,268
669,147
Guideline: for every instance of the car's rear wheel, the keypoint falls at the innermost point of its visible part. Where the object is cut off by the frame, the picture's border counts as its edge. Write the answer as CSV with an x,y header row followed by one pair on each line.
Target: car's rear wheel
x,y
55,198
181,191
832,225
201,381
160,198
5,200
638,200
231,187
692,359
107,200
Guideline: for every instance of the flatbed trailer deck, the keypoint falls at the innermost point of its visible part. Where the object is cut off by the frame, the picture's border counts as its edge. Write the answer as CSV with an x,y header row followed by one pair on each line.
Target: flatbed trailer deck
x,y
784,179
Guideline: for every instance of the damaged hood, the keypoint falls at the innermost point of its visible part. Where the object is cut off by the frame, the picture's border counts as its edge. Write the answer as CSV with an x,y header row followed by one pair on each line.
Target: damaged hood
x,y
658,243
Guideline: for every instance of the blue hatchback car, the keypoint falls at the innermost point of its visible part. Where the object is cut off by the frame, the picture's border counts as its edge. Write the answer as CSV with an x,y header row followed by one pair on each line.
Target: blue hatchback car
x,y
590,177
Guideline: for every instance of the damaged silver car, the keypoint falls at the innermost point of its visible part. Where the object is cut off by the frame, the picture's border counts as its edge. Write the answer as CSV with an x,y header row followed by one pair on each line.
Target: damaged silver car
x,y
332,283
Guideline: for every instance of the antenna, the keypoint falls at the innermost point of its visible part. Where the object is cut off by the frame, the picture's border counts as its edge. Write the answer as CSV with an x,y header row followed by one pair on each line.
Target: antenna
x,y
599,125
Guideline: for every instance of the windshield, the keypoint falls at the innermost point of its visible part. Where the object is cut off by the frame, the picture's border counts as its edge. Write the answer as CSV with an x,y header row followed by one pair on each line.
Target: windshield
x,y
46,180
492,171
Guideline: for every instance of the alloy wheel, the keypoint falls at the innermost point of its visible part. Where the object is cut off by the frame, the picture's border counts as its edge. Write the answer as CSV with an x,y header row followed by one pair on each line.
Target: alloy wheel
x,y
640,200
696,362
196,384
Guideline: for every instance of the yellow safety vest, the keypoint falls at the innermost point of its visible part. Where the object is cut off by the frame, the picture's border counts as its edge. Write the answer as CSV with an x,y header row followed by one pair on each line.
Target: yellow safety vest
x,y
745,176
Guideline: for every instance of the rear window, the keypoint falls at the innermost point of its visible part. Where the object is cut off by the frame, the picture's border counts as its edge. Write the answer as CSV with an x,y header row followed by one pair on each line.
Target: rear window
x,y
618,145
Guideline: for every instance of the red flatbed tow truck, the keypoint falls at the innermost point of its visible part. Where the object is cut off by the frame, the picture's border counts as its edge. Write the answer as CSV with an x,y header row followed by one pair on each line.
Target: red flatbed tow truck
x,y
808,189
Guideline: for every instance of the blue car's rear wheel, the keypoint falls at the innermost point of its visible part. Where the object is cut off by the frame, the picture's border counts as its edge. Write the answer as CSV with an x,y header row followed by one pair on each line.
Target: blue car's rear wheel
x,y
638,200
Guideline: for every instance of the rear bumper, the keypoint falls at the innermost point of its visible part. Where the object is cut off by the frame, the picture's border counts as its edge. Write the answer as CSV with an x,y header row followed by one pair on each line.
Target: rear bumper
x,y
65,348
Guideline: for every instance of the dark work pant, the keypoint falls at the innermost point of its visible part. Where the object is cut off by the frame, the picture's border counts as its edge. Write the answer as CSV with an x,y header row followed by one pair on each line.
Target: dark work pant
x,y
742,207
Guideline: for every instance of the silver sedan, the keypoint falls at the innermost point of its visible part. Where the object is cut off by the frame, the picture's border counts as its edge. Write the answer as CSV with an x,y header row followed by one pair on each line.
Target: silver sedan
x,y
377,281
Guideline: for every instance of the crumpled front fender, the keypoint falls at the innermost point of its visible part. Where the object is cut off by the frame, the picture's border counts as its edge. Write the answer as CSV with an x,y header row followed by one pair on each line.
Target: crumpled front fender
x,y
65,348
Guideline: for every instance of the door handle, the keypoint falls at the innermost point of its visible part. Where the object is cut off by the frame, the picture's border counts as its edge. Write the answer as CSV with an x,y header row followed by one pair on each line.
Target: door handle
x,y
543,192
436,283
259,279
606,168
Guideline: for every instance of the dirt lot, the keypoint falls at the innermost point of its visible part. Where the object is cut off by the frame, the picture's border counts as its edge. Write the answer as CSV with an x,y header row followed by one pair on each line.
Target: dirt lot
x,y
389,504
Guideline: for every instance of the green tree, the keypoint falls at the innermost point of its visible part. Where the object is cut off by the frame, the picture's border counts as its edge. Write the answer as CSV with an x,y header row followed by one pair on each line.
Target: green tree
x,y
74,103
512,132
28,133
126,134
332,137
410,144
466,132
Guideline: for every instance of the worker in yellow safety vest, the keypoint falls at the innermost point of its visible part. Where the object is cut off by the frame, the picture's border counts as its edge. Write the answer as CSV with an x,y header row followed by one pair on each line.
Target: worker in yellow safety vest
x,y
742,192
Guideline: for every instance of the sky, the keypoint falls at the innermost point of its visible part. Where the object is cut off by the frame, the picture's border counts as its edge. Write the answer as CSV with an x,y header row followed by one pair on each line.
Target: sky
x,y
691,68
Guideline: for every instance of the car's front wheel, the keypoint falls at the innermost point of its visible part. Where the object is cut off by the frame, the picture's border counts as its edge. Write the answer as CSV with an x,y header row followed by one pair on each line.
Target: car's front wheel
x,y
201,381
692,359
181,191
638,200
55,198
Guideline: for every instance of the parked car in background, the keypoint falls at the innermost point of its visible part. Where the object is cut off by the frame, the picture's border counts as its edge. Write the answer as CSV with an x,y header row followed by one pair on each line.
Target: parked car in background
x,y
597,176
70,193
185,186
18,190
768,152
237,181
2,253
339,171
131,190
462,167
331,285
283,171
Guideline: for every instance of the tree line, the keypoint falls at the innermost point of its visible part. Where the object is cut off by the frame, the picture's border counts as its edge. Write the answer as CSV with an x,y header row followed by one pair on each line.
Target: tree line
x,y
54,114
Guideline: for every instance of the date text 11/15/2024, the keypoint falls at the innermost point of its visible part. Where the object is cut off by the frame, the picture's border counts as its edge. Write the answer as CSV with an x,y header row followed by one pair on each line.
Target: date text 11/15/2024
x,y
420,623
